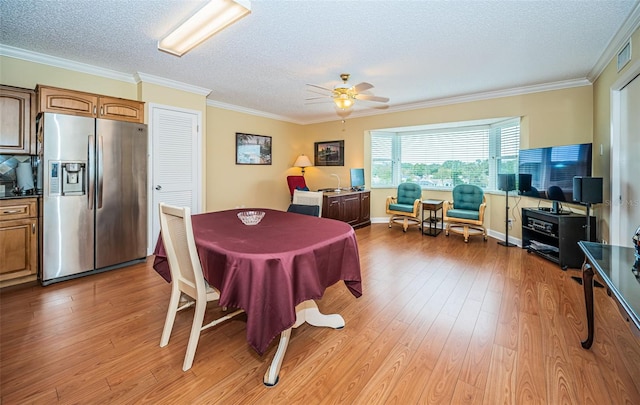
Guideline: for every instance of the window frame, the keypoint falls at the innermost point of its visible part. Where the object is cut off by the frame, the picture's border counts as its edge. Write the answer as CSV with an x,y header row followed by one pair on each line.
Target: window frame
x,y
495,141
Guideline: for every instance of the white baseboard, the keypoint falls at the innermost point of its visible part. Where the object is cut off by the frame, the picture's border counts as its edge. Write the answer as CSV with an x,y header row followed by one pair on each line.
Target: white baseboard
x,y
490,232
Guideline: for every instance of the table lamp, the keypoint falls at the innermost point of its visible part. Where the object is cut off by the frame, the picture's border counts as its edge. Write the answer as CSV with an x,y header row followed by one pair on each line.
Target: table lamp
x,y
302,161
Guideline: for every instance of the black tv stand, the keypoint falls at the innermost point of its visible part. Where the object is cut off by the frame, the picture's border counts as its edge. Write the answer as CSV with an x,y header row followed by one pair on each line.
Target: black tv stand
x,y
555,236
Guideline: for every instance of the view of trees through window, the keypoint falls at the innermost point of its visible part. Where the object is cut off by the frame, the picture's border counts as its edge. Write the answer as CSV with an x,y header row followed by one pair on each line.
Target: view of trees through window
x,y
446,157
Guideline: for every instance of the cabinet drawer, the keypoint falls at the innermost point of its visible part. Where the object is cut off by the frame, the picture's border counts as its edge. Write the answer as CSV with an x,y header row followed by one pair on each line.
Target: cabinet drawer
x,y
17,209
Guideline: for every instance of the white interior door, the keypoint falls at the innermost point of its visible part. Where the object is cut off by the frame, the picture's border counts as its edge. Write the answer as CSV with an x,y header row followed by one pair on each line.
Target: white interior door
x,y
176,161
625,165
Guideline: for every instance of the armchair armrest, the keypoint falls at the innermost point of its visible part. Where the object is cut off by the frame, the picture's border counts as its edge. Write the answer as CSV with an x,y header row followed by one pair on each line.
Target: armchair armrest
x,y
446,206
416,206
481,209
390,200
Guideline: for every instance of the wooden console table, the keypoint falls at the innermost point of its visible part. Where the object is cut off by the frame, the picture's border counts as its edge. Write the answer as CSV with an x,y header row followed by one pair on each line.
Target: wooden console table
x,y
352,207
614,264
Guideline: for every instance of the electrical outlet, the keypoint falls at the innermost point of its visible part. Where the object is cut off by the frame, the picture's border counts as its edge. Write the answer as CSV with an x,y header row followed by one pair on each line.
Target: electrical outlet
x,y
510,221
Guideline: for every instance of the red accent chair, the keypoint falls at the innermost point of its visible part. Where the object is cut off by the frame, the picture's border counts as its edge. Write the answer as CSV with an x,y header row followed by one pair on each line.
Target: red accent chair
x,y
296,182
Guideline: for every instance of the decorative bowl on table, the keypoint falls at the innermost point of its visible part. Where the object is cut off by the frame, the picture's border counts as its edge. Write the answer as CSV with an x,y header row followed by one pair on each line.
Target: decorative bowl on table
x,y
250,217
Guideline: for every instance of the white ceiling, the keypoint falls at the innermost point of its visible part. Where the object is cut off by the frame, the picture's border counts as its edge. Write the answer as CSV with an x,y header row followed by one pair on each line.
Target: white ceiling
x,y
416,53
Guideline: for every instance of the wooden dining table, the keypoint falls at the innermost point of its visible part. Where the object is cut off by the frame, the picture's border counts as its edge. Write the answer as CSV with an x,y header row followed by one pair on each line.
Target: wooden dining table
x,y
274,270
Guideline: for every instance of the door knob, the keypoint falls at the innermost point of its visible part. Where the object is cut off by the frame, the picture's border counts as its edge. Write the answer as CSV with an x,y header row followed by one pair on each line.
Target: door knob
x,y
158,188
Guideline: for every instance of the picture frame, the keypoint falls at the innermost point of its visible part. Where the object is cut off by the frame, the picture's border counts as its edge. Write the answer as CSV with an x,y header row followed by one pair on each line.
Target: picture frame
x,y
253,149
329,153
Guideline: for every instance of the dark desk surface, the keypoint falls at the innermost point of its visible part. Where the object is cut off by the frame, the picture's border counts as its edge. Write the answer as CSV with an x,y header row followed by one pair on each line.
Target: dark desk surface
x,y
614,264
269,268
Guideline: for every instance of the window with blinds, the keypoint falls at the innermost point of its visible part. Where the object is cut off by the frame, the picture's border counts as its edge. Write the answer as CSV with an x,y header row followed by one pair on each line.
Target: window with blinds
x,y
444,157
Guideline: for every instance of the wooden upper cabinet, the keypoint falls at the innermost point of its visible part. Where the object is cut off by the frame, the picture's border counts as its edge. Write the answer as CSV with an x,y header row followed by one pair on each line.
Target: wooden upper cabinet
x,y
17,120
121,109
55,100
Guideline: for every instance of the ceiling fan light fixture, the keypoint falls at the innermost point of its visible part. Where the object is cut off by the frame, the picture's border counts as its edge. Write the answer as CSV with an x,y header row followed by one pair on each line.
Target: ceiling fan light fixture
x,y
343,101
210,19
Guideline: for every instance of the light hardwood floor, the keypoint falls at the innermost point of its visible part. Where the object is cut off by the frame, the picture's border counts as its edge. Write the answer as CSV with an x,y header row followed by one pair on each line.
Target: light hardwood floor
x,y
440,321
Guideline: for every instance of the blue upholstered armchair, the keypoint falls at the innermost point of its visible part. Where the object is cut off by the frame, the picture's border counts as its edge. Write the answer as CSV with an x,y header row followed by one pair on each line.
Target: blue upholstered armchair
x,y
466,211
405,208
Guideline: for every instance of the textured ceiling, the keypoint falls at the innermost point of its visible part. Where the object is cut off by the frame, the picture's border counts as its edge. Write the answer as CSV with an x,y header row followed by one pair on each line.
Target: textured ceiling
x,y
412,51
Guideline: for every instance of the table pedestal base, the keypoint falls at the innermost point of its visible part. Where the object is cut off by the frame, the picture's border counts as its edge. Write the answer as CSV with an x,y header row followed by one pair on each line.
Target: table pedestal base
x,y
306,311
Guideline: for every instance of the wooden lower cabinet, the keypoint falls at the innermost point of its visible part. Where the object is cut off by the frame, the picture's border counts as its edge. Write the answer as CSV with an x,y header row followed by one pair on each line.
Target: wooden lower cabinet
x,y
352,207
18,241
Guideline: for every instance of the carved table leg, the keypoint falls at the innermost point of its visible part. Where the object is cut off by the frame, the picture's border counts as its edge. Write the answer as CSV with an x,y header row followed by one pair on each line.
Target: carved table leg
x,y
306,311
587,285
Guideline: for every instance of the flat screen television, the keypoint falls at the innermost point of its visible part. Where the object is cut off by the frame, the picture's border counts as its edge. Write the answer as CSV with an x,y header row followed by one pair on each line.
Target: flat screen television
x,y
548,172
357,179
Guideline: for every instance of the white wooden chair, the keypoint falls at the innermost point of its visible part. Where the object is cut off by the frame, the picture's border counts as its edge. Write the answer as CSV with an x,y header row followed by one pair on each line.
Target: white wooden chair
x,y
308,198
186,277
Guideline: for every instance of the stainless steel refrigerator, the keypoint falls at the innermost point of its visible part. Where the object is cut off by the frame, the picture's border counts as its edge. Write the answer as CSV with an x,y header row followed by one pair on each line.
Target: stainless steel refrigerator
x,y
94,195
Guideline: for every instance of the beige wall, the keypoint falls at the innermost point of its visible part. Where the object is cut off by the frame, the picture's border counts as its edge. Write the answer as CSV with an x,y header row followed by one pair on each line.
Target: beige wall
x,y
20,73
548,118
230,185
602,133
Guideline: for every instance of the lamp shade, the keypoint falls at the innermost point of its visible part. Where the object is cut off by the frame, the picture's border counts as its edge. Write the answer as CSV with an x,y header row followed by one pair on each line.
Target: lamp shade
x,y
302,161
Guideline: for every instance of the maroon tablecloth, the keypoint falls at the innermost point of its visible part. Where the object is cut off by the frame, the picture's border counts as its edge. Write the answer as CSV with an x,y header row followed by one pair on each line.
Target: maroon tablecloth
x,y
269,268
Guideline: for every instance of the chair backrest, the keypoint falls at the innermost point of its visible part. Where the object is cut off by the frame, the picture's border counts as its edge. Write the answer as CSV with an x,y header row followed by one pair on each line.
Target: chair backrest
x,y
467,197
312,210
408,193
296,182
180,247
308,198
555,193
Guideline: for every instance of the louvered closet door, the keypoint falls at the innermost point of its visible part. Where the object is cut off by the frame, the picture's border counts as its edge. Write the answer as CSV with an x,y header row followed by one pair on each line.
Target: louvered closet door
x,y
176,160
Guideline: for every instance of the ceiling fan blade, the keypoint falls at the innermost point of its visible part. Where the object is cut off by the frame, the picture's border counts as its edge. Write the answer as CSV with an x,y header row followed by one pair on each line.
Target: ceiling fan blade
x,y
318,98
362,87
368,97
320,87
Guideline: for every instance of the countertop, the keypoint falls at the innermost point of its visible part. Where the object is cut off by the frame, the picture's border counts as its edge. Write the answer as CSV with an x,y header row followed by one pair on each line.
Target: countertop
x,y
8,194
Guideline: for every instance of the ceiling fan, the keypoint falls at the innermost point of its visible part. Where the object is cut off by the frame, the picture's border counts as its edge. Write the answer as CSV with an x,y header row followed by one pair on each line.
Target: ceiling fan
x,y
344,95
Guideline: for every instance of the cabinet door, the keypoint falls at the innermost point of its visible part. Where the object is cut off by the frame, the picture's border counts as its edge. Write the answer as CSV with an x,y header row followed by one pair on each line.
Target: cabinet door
x,y
365,207
331,208
17,135
18,248
121,109
52,99
351,209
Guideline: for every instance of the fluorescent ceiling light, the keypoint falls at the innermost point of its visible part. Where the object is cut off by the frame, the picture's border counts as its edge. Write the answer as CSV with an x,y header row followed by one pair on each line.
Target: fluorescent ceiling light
x,y
211,18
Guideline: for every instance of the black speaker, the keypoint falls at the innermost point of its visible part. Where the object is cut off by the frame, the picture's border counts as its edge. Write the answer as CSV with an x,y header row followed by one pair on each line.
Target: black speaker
x,y
524,182
507,182
587,190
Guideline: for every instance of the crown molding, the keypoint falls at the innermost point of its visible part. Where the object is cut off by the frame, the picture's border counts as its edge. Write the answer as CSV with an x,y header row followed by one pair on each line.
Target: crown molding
x,y
244,110
67,64
147,78
143,77
517,91
54,61
630,25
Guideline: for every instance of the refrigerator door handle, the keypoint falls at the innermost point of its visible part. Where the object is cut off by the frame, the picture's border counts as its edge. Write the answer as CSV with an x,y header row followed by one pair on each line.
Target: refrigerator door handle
x,y
100,172
91,153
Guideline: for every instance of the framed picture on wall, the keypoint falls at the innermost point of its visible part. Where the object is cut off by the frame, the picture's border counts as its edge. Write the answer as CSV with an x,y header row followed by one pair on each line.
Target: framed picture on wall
x,y
253,149
329,153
